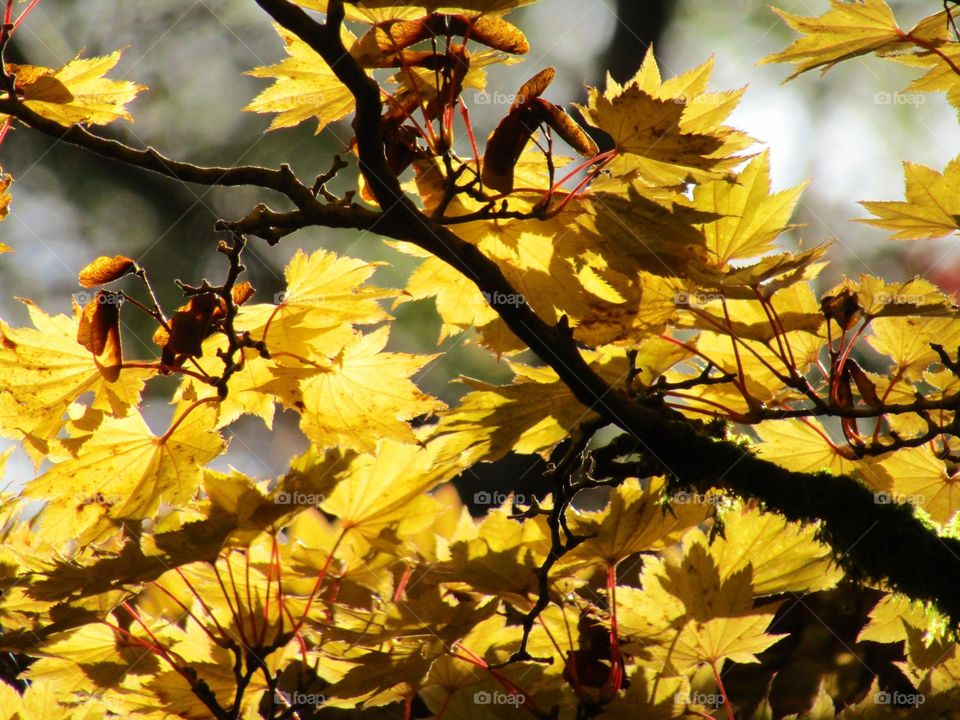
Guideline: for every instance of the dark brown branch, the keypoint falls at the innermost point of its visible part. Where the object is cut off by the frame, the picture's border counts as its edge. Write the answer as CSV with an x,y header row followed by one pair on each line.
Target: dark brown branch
x,y
282,180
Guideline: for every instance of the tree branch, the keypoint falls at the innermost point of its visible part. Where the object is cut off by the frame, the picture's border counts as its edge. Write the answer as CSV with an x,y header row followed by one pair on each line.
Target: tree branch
x,y
282,180
884,543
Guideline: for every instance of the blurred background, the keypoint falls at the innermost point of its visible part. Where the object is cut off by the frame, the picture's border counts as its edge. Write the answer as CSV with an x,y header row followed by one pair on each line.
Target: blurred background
x,y
846,134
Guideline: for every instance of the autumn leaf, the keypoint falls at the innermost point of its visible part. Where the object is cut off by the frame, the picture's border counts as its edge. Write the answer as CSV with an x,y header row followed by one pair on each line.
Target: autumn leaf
x,y
635,521
45,370
388,488
922,479
845,31
106,269
784,556
361,396
325,296
751,219
99,332
668,132
77,92
126,471
304,87
803,446
932,207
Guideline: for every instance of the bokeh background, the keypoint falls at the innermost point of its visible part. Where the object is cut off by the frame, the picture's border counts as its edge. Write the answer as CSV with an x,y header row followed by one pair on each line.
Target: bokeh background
x,y
847,134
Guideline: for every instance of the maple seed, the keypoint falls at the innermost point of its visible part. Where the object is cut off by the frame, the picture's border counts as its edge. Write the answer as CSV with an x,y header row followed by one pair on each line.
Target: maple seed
x,y
99,332
106,269
528,112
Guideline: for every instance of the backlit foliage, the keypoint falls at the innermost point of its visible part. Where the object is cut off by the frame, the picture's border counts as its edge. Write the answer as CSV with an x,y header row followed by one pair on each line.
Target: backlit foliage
x,y
644,233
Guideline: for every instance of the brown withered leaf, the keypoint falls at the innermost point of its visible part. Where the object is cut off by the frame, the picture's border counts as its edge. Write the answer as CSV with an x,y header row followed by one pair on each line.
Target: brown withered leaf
x,y
242,292
106,269
190,326
844,307
99,332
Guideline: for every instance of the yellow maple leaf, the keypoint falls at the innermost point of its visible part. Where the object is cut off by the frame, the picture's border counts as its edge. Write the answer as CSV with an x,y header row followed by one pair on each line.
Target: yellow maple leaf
x,y
932,208
389,488
124,471
635,521
77,92
720,620
668,132
304,87
890,618
921,478
940,75
752,217
803,446
906,341
845,31
530,415
361,396
785,556
45,369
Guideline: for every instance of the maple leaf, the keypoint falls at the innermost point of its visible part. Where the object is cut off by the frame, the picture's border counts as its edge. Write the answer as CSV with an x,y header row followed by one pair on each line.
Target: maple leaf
x,y
922,479
932,208
359,397
325,297
530,415
784,556
388,488
847,30
668,132
106,269
720,620
751,219
635,521
77,92
890,618
304,87
124,471
45,370
906,341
